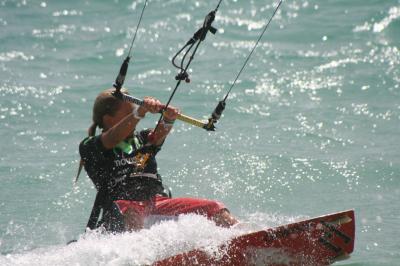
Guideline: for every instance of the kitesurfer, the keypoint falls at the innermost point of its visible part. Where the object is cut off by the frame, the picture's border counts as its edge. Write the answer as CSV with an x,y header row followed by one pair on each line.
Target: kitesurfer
x,y
122,165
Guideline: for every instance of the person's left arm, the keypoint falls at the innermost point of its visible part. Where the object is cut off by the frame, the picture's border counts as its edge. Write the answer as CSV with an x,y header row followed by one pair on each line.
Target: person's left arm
x,y
158,135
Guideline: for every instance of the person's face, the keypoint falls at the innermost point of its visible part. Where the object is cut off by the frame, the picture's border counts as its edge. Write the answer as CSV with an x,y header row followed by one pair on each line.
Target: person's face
x,y
125,108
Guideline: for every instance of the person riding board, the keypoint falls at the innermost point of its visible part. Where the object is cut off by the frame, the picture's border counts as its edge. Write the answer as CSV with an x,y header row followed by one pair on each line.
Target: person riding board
x,y
122,165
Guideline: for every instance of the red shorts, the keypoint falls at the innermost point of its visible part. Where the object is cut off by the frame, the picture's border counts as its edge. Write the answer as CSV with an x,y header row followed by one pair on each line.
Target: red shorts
x,y
164,206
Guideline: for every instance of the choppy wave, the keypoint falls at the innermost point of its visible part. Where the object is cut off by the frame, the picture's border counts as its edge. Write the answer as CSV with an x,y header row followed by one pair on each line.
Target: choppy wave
x,y
393,14
377,27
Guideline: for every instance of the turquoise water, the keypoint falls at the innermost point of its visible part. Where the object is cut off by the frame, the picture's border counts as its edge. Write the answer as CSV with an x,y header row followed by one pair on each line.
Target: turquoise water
x,y
312,127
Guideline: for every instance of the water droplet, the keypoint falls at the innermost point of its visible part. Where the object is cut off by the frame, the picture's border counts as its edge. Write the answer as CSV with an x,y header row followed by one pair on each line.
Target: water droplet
x,y
119,52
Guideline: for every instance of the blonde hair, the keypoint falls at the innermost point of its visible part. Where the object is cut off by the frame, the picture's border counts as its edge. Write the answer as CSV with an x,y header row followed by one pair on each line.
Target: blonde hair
x,y
105,104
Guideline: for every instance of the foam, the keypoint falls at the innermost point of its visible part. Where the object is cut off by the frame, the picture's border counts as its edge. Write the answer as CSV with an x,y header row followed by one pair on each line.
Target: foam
x,y
137,248
394,13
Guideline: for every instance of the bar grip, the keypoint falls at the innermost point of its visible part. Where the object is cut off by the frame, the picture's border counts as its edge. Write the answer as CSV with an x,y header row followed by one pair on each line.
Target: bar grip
x,y
191,120
181,117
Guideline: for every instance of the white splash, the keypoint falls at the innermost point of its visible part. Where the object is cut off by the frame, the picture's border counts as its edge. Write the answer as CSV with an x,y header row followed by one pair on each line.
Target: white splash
x,y
394,13
162,240
119,52
9,56
138,248
365,27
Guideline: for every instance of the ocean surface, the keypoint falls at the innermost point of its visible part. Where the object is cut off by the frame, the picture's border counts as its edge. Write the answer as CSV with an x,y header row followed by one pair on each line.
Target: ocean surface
x,y
311,128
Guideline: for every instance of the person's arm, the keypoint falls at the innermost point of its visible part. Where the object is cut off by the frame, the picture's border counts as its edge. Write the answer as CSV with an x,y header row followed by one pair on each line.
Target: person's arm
x,y
127,125
158,135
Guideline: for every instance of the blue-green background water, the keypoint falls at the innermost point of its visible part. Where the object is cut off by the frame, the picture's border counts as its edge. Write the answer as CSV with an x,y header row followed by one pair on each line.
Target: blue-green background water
x,y
312,128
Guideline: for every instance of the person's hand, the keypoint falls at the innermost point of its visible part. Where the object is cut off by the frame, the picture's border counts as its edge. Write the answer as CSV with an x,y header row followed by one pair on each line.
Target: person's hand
x,y
151,105
171,113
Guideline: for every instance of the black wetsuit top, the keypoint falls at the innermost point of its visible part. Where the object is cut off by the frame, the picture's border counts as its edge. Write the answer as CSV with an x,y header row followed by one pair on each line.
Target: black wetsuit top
x,y
115,172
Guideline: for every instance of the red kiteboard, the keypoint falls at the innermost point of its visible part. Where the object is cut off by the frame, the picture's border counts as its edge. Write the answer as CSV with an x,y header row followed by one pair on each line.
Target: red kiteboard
x,y
317,241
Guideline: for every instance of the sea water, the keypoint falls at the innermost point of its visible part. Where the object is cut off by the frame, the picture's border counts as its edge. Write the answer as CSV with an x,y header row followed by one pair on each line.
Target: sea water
x,y
312,127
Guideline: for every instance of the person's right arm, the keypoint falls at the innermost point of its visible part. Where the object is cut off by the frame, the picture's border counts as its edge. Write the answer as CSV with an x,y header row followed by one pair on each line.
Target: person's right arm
x,y
127,125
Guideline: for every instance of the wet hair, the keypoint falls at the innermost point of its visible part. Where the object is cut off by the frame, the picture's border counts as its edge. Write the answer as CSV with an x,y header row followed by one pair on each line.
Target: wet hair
x,y
105,104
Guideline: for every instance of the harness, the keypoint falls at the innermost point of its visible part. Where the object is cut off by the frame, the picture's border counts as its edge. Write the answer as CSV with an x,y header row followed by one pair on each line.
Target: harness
x,y
143,185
